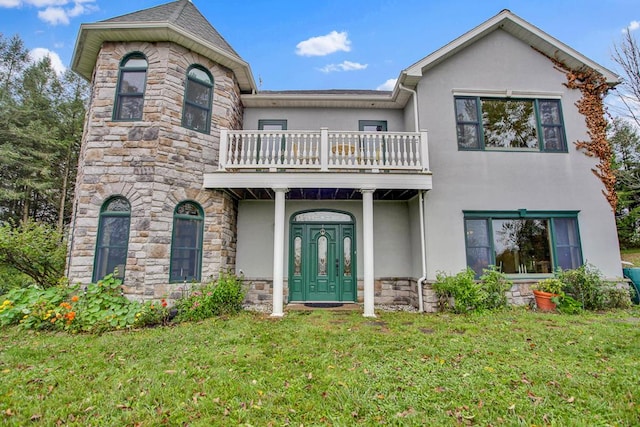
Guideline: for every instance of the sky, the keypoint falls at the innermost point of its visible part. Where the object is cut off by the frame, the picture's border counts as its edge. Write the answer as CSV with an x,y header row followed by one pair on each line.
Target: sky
x,y
333,44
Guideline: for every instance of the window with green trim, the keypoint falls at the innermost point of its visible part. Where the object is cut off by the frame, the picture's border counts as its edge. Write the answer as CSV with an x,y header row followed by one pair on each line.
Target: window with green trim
x,y
186,244
525,243
198,96
130,90
113,238
509,124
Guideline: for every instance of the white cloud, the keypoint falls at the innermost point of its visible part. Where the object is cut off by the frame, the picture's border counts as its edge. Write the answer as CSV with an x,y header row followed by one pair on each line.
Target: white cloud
x,y
388,85
10,3
324,45
633,25
54,16
344,66
40,52
55,12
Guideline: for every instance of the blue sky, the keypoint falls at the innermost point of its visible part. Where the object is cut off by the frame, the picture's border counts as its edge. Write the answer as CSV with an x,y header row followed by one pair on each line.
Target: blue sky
x,y
334,44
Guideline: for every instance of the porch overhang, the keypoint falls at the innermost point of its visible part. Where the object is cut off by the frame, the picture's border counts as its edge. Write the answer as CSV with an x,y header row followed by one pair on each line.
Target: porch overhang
x,y
316,185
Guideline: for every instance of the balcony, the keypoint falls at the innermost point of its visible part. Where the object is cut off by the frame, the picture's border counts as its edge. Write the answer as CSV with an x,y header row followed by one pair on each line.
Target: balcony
x,y
323,151
317,162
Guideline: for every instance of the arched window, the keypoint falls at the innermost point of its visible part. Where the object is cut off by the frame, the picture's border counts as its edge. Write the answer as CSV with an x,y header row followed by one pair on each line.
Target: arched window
x,y
113,238
186,245
130,90
196,113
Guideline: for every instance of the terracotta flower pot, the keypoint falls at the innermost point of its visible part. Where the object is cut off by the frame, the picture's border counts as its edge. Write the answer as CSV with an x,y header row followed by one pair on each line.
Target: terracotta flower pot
x,y
543,300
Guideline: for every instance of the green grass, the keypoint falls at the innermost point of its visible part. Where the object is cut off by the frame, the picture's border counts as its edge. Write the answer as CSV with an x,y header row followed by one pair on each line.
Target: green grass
x,y
631,255
332,368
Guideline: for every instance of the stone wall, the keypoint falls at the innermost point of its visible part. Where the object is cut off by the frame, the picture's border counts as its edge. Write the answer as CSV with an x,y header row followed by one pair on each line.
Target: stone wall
x,y
519,294
155,163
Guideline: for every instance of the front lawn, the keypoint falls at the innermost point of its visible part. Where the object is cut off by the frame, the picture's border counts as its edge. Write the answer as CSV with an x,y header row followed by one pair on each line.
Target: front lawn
x,y
514,367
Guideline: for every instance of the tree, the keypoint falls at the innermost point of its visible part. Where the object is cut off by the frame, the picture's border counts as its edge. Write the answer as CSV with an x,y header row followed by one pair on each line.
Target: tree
x,y
625,144
41,122
627,56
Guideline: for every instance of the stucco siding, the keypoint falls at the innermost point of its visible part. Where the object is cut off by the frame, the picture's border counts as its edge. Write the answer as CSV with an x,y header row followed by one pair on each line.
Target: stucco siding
x,y
492,180
332,118
392,236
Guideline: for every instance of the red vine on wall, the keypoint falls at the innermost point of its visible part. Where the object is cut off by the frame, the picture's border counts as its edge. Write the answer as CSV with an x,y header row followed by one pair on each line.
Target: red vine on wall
x,y
594,88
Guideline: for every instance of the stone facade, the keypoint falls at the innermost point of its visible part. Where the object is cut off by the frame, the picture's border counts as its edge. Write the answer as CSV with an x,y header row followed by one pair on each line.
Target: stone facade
x,y
155,163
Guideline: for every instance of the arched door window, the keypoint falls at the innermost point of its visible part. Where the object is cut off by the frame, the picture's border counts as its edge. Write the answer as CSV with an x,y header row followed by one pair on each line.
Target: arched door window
x,y
198,95
113,238
186,245
131,84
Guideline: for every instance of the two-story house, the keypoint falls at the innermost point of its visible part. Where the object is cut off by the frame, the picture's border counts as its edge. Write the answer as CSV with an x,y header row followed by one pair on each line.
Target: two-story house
x,y
187,169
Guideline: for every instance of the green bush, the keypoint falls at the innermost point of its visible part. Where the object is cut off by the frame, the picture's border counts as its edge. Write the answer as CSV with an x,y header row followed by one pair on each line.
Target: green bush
x,y
495,284
460,293
10,278
225,296
35,249
33,307
584,284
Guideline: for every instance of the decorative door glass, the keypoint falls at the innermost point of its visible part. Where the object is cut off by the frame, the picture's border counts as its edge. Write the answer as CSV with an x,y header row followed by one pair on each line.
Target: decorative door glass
x,y
297,260
322,256
347,256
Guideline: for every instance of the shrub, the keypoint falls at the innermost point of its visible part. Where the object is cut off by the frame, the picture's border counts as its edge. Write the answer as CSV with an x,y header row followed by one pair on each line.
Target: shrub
x,y
584,284
212,299
35,249
466,293
495,284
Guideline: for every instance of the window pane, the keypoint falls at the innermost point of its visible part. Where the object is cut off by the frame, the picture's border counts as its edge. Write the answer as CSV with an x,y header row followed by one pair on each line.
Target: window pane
x,y
478,259
322,256
115,231
553,138
135,62
132,82
198,93
567,243
468,136
549,112
186,247
297,260
199,74
466,110
130,107
522,246
195,118
347,256
322,216
509,124
110,260
477,232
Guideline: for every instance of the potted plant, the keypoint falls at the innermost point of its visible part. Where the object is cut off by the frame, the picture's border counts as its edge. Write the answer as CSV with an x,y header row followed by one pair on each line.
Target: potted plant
x,y
545,290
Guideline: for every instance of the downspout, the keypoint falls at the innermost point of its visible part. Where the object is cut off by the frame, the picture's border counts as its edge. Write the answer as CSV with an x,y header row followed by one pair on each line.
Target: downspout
x,y
423,250
415,105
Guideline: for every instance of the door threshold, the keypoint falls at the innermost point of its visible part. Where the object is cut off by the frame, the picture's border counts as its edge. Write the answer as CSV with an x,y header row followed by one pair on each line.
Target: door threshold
x,y
324,305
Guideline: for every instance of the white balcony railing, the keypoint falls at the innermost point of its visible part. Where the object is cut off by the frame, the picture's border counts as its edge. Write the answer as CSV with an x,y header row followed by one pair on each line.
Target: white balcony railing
x,y
323,150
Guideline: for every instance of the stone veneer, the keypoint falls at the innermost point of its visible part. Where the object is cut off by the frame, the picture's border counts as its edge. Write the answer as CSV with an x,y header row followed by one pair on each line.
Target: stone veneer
x,y
387,291
155,163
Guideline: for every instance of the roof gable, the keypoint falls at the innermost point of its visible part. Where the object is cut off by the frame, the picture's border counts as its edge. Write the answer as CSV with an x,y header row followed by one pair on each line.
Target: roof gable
x,y
518,28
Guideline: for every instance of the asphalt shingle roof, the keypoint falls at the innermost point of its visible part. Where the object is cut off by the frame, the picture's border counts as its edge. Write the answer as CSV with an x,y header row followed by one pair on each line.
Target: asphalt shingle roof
x,y
183,14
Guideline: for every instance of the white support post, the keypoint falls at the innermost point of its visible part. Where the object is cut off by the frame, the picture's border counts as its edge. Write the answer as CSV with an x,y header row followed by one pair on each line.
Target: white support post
x,y
324,149
222,151
424,149
278,253
367,240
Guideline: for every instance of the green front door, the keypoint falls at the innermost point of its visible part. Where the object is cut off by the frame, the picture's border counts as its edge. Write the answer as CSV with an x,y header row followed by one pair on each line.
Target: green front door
x,y
322,263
